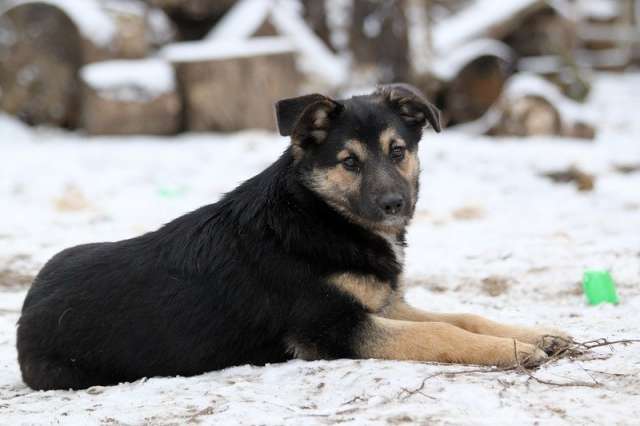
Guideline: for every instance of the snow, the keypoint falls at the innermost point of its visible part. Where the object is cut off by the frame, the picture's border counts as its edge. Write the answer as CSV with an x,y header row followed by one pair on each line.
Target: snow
x,y
126,79
599,9
160,26
474,21
446,67
246,17
206,50
538,235
92,20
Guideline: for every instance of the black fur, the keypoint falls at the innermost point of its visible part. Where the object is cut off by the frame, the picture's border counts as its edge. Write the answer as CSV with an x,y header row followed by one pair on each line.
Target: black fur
x,y
228,284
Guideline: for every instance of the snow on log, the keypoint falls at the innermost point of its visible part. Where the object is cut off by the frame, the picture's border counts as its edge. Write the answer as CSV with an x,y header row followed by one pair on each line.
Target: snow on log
x,y
532,106
109,28
530,27
44,44
130,97
232,85
472,77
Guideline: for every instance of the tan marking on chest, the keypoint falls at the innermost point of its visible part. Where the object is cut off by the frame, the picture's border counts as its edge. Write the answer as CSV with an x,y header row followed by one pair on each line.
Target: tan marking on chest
x,y
366,289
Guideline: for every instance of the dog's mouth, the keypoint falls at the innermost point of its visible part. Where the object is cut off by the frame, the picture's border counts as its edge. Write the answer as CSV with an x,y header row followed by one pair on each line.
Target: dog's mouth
x,y
395,221
383,223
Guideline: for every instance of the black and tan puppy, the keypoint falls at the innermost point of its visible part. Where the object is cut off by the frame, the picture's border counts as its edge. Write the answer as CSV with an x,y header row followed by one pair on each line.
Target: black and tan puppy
x,y
303,260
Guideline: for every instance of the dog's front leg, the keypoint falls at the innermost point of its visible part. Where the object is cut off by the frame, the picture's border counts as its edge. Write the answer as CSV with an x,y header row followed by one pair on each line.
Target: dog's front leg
x,y
550,340
385,338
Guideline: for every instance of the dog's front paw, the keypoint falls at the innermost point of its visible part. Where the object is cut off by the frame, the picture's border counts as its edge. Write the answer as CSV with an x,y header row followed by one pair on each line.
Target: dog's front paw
x,y
554,341
549,340
530,356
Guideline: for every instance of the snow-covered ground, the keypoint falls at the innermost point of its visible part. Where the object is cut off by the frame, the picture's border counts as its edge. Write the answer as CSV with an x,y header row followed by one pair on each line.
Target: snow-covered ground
x,y
491,236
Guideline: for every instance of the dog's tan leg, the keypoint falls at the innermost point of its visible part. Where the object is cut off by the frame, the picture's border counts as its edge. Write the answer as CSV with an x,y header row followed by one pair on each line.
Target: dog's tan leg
x,y
548,339
385,338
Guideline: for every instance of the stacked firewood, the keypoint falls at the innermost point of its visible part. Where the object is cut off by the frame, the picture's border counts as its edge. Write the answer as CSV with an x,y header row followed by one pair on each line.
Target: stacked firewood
x,y
165,66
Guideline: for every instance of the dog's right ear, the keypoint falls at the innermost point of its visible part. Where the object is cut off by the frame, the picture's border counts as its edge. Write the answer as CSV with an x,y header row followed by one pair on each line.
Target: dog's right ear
x,y
306,118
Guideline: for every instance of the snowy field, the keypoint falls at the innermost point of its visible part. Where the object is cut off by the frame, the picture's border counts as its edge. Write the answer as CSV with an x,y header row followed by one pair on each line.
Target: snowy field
x,y
491,236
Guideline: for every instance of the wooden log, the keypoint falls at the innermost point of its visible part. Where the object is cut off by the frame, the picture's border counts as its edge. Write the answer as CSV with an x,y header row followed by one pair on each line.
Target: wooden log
x,y
130,97
40,56
229,86
532,106
528,116
474,89
543,32
46,44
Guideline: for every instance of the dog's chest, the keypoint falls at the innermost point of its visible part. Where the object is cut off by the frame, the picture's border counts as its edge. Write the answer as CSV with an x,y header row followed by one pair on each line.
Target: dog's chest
x,y
372,293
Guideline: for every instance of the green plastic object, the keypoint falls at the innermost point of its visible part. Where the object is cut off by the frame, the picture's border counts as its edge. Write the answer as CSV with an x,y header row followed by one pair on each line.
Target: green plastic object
x,y
172,191
599,287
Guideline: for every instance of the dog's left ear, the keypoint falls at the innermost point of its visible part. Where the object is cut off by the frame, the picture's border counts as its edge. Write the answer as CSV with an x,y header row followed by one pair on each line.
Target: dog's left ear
x,y
289,111
411,105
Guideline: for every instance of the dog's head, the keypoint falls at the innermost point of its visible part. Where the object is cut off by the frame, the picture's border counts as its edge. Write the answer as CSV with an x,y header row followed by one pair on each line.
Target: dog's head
x,y
360,155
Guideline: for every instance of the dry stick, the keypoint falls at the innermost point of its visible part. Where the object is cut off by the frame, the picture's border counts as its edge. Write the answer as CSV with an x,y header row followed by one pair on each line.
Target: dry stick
x,y
524,370
604,342
450,373
570,351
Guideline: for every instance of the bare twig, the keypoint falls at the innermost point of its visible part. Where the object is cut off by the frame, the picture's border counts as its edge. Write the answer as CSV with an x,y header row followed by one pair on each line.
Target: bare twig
x,y
571,351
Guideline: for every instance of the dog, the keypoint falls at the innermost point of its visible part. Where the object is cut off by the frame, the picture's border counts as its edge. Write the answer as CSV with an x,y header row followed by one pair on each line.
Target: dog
x,y
304,260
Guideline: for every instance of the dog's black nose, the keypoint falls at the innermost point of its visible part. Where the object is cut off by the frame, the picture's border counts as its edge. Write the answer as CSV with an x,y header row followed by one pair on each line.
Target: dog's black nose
x,y
391,203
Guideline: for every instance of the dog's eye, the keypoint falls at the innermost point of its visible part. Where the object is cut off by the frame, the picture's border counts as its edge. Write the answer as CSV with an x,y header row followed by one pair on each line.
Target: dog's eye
x,y
350,163
397,153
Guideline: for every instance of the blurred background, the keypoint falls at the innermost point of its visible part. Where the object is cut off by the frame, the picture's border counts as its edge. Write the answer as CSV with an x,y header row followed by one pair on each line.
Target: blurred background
x,y
106,67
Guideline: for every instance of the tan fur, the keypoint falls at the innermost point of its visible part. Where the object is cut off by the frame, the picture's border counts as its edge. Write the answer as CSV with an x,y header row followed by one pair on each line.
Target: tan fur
x,y
387,338
356,147
366,289
387,136
321,119
409,167
335,185
399,309
335,182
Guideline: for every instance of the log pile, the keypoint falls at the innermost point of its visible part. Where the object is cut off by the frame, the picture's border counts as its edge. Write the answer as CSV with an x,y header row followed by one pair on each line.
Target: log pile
x,y
231,59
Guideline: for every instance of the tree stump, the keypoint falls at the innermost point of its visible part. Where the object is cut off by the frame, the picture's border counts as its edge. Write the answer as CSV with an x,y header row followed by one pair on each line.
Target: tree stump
x,y
130,97
229,86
